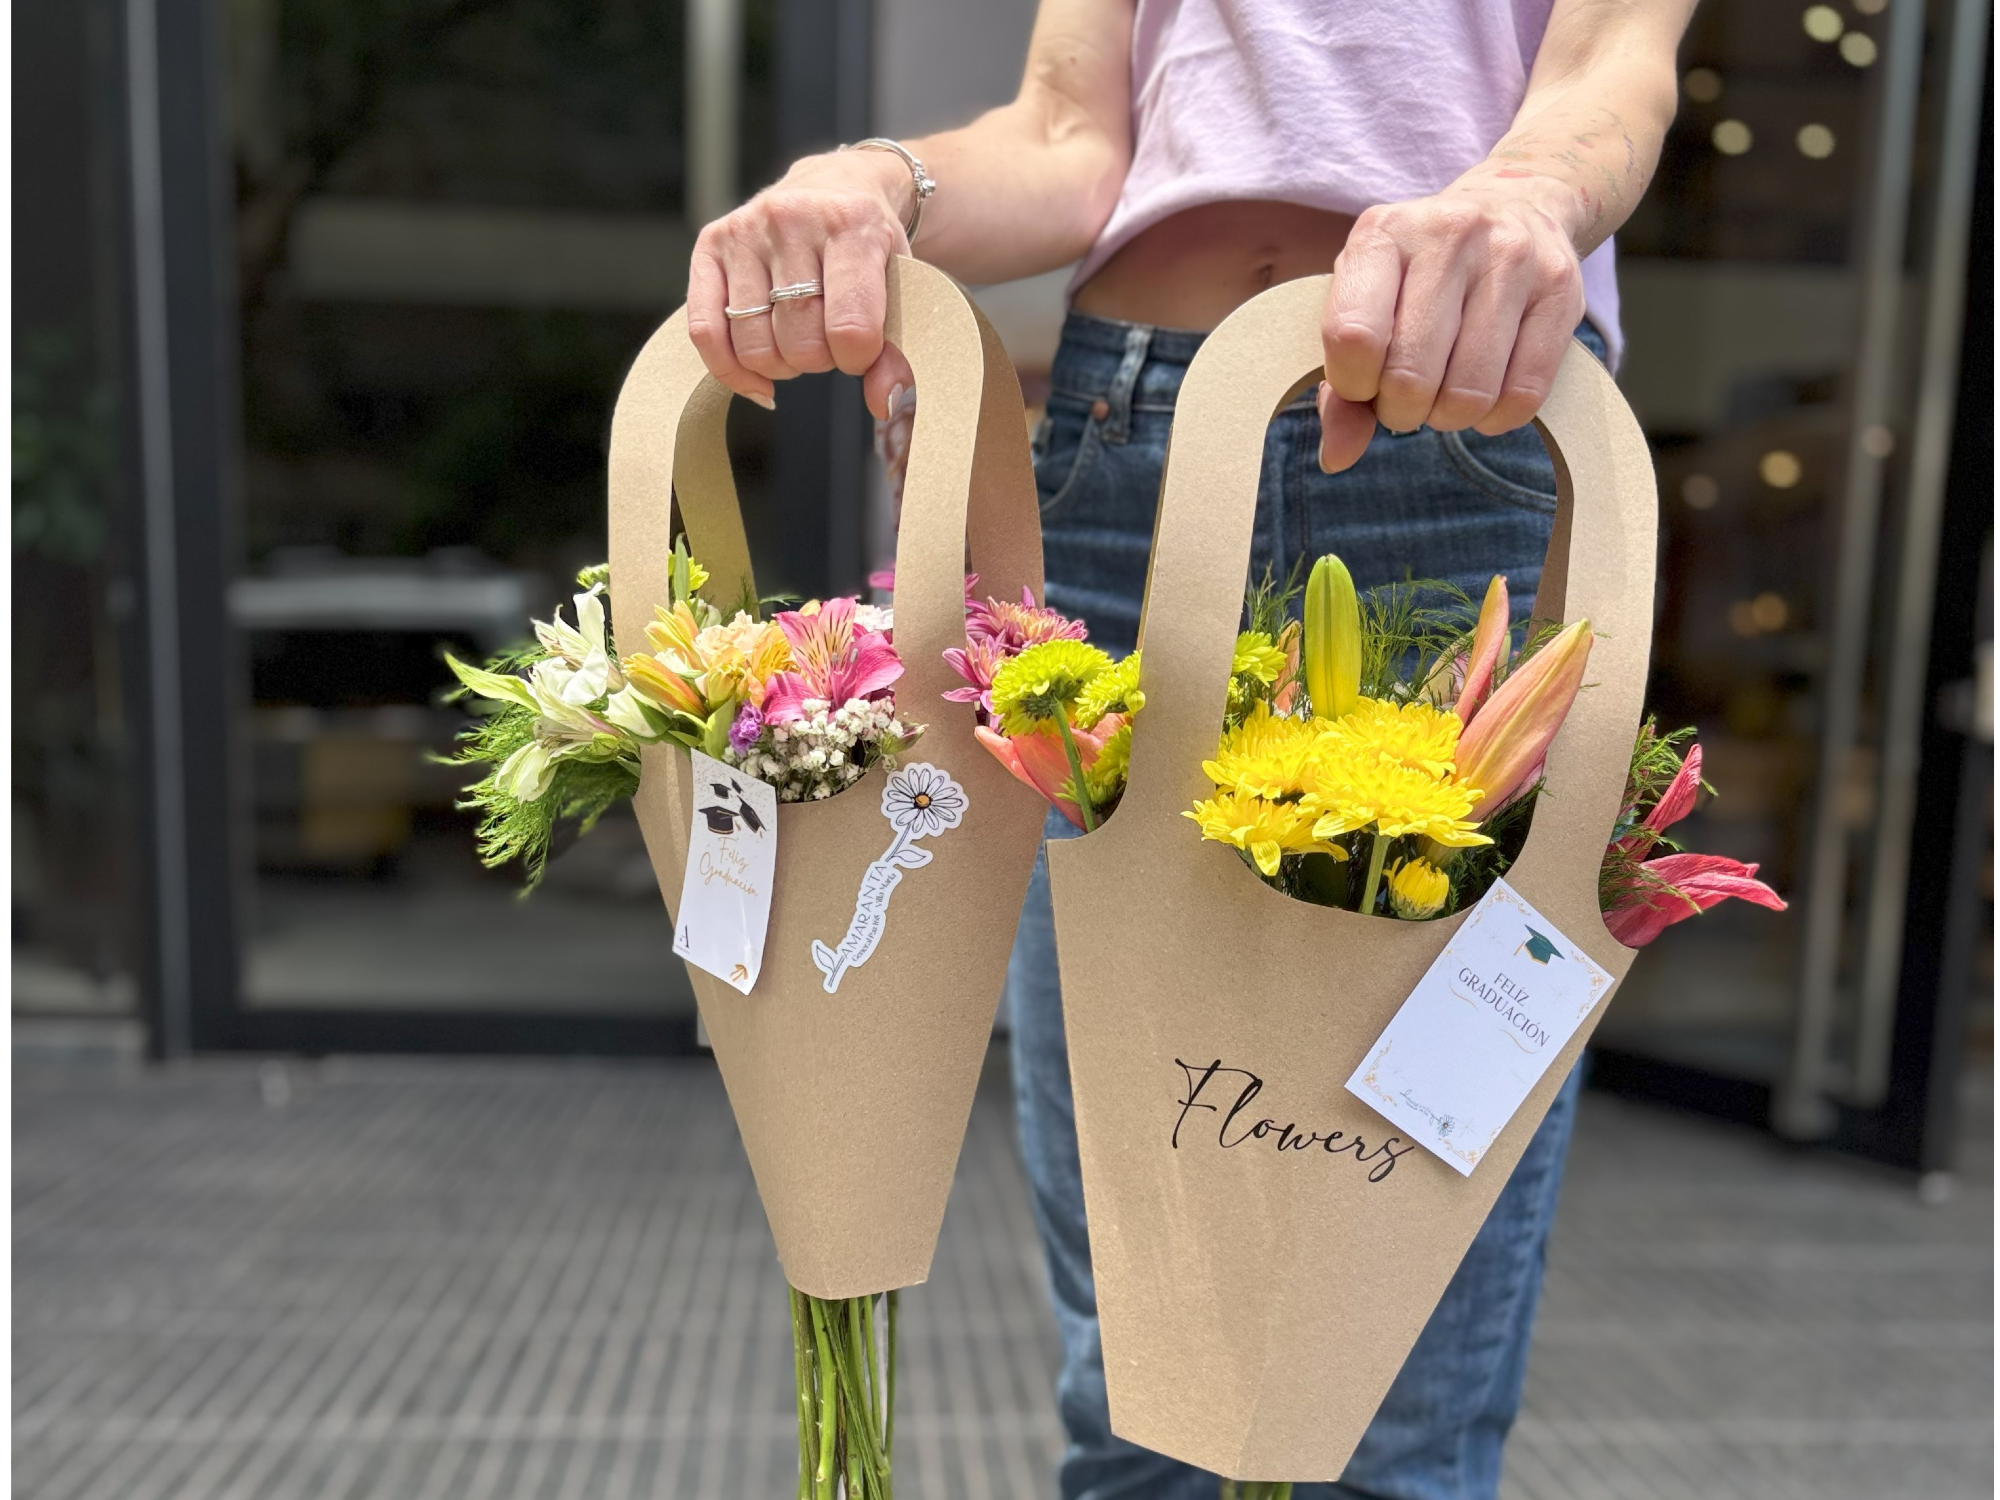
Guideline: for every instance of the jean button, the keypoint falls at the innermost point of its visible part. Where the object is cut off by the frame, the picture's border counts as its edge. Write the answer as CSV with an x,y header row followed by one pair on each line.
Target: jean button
x,y
1099,409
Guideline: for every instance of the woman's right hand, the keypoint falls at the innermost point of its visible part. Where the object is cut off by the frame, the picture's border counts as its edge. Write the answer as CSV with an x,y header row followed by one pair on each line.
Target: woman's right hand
x,y
835,219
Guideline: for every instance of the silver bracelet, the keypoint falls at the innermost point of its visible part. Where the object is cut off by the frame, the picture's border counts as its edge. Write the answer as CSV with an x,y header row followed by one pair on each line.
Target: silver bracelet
x,y
925,184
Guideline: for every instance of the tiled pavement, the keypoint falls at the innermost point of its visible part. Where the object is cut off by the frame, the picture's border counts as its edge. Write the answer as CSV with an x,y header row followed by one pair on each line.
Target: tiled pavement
x,y
509,1281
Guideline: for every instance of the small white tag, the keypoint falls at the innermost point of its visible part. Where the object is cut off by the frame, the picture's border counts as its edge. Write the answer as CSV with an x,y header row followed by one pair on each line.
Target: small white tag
x,y
1480,1029
732,857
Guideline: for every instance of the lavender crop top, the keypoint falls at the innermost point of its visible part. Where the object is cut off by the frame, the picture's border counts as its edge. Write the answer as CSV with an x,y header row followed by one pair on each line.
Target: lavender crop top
x,y
1332,104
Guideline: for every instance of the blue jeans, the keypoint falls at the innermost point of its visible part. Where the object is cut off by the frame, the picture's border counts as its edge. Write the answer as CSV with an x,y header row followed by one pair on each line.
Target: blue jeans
x,y
1455,506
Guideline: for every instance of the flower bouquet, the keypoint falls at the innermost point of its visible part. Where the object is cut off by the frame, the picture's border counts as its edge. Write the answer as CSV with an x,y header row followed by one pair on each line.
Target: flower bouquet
x,y
851,1059
1313,812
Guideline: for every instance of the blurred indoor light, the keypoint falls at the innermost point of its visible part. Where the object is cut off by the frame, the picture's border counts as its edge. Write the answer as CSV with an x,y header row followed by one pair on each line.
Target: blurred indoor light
x,y
1703,85
1743,617
1779,469
1768,612
1823,23
1731,137
1871,7
1815,141
1858,47
1877,441
1700,492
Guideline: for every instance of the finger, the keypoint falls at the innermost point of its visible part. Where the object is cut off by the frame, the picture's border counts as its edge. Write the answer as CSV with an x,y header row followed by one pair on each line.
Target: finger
x,y
857,298
1360,311
1427,321
799,323
1487,331
1344,430
890,373
1546,329
752,338
708,329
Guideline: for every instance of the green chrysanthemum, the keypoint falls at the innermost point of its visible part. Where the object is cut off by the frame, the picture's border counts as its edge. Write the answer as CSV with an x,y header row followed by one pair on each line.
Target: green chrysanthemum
x,y
1113,691
1042,684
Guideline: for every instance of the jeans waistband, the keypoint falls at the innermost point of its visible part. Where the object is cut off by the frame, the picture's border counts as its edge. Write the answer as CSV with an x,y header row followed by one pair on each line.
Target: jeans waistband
x,y
1138,367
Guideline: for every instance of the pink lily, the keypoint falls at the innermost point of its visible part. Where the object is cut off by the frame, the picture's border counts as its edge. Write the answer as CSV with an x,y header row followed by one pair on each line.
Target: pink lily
x,y
1509,737
833,661
1675,803
1489,641
1692,883
1039,761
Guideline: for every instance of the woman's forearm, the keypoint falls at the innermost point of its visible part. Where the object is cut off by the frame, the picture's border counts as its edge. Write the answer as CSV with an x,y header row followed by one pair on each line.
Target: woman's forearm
x,y
1025,187
1587,137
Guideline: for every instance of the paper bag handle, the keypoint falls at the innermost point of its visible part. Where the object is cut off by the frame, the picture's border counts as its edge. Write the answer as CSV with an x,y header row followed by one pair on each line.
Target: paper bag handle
x,y
969,486
1600,566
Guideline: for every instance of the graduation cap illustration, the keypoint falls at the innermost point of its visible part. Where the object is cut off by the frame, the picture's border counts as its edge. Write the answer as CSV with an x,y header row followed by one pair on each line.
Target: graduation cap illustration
x,y
1540,948
723,818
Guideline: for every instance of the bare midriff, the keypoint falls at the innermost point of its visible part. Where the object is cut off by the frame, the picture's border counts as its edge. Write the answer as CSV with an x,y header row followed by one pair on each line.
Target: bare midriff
x,y
1192,270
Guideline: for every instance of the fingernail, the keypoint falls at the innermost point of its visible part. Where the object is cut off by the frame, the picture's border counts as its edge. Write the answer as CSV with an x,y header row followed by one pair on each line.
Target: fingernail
x,y
764,401
895,399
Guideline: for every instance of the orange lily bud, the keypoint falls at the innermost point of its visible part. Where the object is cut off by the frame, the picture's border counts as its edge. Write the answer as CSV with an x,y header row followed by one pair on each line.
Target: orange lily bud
x,y
1510,736
1489,640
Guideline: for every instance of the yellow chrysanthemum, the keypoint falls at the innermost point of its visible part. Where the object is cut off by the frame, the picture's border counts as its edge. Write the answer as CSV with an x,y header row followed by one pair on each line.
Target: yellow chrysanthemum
x,y
1415,735
1113,691
1417,889
1355,788
1043,683
1267,831
1257,656
1266,755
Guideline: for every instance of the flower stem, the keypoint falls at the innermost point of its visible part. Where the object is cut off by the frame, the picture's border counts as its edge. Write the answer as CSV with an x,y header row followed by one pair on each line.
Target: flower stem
x,y
1378,851
1256,1489
1076,773
889,1421
829,1403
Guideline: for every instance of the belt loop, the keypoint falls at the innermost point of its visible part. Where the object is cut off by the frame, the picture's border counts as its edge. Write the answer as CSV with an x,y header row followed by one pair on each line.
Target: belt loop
x,y
1118,421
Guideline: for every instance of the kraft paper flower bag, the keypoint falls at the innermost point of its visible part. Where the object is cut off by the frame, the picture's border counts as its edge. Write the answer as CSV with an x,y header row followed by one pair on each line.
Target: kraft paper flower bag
x,y
1267,1246
851,1063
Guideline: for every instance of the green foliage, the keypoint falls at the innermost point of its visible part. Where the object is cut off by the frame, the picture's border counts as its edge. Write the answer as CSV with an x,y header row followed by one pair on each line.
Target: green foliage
x,y
582,792
1406,626
1267,606
64,446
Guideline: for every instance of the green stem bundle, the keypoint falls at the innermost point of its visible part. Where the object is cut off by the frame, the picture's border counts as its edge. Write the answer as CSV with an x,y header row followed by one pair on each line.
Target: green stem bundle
x,y
1256,1489
847,1396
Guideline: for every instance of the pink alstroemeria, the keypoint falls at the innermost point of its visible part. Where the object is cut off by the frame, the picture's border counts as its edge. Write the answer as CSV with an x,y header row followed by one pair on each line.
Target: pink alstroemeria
x,y
1687,884
833,661
1489,643
1038,759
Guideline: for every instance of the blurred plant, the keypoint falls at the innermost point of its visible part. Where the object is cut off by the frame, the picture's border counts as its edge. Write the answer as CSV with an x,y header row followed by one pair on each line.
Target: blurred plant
x,y
64,447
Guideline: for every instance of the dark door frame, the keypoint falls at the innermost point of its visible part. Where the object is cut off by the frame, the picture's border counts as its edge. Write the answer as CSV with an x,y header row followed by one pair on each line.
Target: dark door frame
x,y
182,440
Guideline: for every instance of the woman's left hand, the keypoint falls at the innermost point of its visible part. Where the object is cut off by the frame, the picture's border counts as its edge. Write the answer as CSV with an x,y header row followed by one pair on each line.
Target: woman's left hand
x,y
1451,311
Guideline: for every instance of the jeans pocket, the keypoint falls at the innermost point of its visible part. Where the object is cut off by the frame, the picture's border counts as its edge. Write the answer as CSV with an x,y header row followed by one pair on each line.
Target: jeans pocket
x,y
1514,466
1066,450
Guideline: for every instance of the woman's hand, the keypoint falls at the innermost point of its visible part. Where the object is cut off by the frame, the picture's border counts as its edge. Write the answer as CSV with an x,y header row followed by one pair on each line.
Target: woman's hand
x,y
835,219
1451,311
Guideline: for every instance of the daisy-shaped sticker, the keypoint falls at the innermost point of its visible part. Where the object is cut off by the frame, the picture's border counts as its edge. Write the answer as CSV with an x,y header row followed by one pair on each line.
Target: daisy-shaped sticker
x,y
919,801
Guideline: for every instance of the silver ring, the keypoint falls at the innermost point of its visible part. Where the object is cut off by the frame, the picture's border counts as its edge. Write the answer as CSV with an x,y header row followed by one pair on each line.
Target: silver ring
x,y
796,291
736,313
